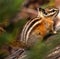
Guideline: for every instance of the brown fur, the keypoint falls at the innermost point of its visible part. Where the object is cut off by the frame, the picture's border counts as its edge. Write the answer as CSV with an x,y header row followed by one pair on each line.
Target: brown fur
x,y
44,26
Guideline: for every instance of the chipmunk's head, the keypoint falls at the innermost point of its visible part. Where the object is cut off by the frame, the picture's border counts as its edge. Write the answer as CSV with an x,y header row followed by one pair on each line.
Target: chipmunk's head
x,y
53,12
48,12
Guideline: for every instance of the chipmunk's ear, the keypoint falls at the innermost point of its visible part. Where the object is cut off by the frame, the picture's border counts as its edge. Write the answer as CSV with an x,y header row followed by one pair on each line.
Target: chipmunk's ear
x,y
41,9
40,12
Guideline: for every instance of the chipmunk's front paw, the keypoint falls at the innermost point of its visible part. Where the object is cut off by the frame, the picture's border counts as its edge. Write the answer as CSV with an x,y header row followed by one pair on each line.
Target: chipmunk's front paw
x,y
55,32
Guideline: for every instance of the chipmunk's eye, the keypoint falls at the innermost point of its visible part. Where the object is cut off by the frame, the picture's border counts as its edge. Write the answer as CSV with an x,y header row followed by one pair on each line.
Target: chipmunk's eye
x,y
51,10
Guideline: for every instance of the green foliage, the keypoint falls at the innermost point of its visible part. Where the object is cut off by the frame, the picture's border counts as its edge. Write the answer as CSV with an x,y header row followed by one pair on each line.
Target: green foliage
x,y
41,49
5,38
2,56
8,8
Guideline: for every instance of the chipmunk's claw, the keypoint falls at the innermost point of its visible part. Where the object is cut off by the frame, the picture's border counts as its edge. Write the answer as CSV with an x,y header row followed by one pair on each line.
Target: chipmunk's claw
x,y
55,32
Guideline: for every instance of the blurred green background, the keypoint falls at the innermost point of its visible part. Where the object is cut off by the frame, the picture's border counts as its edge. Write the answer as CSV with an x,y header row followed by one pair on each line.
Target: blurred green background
x,y
8,9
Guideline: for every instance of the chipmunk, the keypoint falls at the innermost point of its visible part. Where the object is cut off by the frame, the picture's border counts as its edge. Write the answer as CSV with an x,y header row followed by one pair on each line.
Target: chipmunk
x,y
41,25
